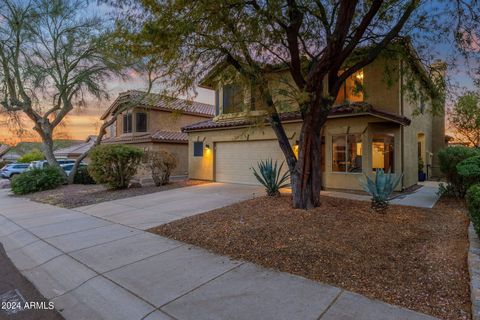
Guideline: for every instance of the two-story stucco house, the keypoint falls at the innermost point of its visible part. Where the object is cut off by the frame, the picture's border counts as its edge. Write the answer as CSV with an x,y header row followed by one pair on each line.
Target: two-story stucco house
x,y
382,119
153,122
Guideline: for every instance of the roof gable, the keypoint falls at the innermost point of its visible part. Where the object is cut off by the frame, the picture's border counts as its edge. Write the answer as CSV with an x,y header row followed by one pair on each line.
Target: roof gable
x,y
160,102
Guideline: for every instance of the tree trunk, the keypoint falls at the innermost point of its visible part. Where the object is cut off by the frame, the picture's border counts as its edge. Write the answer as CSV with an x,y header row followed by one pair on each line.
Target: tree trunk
x,y
306,179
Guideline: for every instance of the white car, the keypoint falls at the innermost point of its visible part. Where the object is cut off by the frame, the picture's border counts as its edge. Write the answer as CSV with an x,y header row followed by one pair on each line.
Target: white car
x,y
69,166
13,169
43,163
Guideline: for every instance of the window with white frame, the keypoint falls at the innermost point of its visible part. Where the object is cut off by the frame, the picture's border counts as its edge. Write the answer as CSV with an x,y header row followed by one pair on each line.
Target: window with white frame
x,y
347,153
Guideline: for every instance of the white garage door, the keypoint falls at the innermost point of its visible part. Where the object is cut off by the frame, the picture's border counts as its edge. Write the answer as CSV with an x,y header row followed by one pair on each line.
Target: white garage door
x,y
234,160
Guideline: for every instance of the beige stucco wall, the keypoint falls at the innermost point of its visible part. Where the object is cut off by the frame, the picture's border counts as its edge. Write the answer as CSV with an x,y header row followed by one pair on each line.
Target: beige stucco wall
x,y
384,90
180,151
203,167
430,127
381,84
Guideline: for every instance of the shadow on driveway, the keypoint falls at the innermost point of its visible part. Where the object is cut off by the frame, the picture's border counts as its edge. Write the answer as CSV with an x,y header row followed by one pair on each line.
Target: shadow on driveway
x,y
15,287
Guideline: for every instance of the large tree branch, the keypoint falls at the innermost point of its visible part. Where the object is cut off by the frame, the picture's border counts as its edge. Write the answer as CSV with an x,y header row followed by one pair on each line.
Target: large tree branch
x,y
335,82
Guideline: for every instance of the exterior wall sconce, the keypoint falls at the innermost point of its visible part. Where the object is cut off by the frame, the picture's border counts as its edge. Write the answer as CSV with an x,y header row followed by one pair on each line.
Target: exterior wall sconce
x,y
207,146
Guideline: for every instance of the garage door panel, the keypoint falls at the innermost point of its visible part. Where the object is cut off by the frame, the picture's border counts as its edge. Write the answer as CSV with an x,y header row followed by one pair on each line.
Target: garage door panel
x,y
234,160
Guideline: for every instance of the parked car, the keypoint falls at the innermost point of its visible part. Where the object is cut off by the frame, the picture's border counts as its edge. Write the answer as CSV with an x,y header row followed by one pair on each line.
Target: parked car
x,y
68,167
13,169
43,163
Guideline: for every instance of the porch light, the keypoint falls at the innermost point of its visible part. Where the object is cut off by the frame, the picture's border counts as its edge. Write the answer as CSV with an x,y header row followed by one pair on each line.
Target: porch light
x,y
207,146
295,149
359,75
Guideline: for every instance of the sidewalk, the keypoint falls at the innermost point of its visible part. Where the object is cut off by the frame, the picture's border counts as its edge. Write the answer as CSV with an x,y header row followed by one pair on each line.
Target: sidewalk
x,y
92,268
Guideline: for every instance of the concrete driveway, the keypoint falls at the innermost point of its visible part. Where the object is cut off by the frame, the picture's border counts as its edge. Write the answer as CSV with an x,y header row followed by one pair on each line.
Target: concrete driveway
x,y
92,268
150,210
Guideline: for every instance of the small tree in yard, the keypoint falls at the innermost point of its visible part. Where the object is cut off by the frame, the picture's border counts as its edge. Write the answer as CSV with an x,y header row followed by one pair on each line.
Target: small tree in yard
x,y
319,43
114,165
464,118
51,58
160,163
33,155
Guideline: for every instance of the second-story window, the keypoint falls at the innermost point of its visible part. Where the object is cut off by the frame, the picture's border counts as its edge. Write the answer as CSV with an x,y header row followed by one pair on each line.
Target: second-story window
x,y
232,98
352,89
141,122
127,123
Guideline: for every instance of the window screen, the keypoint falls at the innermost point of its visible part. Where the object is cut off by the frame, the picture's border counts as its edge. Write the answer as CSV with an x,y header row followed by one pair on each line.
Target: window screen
x,y
141,122
347,153
198,149
127,123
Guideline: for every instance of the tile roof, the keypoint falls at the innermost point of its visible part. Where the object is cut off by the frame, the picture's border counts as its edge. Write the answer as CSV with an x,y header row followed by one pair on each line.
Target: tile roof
x,y
77,149
3,149
345,110
161,102
157,136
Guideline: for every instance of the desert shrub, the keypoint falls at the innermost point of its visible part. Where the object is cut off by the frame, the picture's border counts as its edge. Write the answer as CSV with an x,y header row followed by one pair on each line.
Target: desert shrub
x,y
469,170
37,180
473,202
82,176
271,177
449,159
381,188
34,155
114,165
160,164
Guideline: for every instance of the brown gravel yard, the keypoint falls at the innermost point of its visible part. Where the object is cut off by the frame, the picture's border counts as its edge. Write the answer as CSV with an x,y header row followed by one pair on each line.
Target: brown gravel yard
x,y
77,195
412,257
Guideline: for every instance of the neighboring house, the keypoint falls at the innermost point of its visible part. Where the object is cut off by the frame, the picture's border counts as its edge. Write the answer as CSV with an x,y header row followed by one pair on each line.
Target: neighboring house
x,y
10,156
154,122
4,149
375,124
76,150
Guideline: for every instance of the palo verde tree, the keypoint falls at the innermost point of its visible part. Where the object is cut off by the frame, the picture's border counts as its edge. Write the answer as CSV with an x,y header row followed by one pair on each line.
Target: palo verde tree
x,y
320,43
464,118
54,55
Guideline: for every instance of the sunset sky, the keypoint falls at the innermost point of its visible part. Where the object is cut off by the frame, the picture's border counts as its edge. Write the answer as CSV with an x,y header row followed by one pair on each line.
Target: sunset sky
x,y
81,123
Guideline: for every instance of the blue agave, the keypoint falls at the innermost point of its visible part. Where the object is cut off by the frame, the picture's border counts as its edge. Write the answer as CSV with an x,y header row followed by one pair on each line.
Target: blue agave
x,y
381,188
270,176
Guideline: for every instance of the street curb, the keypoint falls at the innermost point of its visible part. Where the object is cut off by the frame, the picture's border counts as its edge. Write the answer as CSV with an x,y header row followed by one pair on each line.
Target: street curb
x,y
474,270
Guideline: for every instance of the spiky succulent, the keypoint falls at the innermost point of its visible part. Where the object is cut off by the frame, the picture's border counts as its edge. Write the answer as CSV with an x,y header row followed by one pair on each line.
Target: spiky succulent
x,y
381,188
270,175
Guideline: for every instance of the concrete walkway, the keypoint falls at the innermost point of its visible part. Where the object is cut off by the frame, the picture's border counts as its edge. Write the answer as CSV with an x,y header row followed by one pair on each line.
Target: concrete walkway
x,y
424,197
93,268
150,210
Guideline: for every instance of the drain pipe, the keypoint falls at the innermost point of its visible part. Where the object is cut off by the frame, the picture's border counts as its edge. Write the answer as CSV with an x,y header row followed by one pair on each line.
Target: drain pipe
x,y
402,131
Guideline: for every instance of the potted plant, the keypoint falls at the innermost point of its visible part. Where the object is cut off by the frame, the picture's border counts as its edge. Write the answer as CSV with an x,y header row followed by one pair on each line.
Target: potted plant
x,y
421,175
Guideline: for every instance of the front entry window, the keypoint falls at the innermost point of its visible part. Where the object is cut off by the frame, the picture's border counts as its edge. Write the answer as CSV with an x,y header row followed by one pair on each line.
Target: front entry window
x,y
383,152
347,153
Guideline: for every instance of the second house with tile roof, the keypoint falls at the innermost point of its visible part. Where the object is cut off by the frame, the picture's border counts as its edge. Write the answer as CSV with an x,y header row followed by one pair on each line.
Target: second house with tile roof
x,y
153,121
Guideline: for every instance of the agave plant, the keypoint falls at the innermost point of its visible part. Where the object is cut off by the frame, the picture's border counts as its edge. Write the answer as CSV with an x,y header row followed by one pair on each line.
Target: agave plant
x,y
270,175
381,188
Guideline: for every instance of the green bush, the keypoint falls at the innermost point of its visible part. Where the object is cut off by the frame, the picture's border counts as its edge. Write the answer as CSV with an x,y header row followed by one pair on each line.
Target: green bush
x,y
271,177
82,176
114,165
160,163
37,180
469,170
34,155
449,159
473,201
